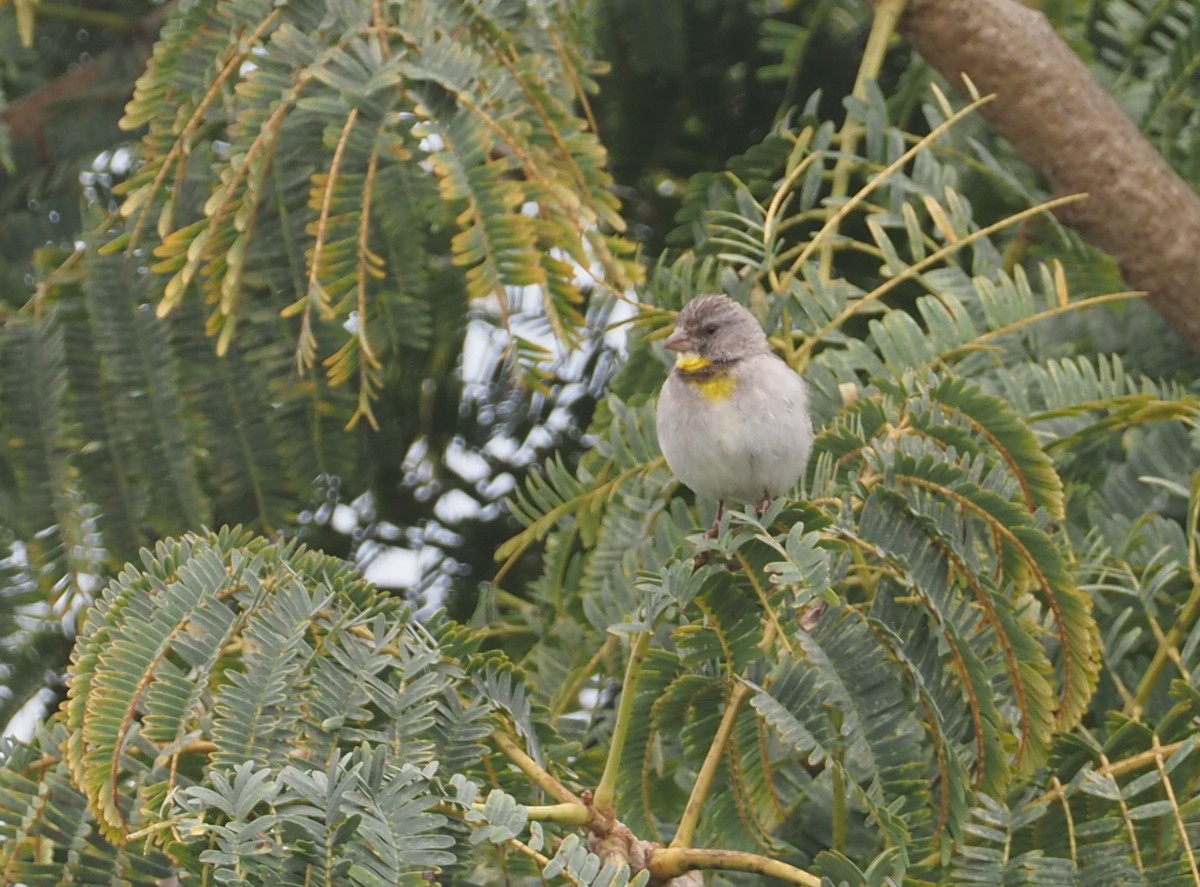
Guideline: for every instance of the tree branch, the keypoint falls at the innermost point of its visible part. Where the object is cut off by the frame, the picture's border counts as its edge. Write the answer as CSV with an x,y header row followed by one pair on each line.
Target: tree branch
x,y
531,768
674,861
1063,122
605,799
708,770
887,12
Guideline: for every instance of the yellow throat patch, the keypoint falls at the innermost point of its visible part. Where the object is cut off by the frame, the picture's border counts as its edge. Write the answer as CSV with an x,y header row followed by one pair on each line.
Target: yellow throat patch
x,y
713,381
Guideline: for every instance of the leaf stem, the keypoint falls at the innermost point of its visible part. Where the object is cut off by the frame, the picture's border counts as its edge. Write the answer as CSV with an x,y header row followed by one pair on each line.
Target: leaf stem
x,y
535,771
674,861
877,181
605,797
521,847
567,814
708,770
511,550
887,14
772,224
916,268
1181,828
567,695
1183,622
839,815
1108,769
772,628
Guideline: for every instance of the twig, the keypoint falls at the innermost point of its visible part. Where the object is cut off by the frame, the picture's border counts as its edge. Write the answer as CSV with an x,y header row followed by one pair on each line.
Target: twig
x,y
1180,826
708,770
572,689
674,861
535,771
771,621
567,814
1117,768
1183,622
606,792
933,258
887,14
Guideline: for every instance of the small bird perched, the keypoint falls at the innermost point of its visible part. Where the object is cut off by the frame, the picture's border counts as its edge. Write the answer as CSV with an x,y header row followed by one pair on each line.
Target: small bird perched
x,y
732,417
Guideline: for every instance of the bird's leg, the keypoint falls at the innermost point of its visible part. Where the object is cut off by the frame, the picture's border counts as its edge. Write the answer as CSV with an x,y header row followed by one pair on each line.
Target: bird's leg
x,y
711,533
765,502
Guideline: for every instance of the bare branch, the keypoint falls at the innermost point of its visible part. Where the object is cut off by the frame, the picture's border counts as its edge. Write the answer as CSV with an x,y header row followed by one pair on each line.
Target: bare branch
x,y
1064,123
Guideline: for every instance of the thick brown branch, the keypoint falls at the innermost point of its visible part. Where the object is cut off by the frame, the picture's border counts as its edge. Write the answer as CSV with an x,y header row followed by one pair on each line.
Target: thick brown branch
x,y
1064,123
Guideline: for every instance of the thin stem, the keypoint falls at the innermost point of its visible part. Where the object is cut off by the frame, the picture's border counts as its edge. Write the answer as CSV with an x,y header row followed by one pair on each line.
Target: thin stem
x,y
1078,305
1131,832
1155,755
567,696
772,628
1183,622
1181,828
675,861
566,814
933,258
1119,768
877,181
837,787
541,859
1070,823
535,771
772,224
522,606
708,770
604,800
887,14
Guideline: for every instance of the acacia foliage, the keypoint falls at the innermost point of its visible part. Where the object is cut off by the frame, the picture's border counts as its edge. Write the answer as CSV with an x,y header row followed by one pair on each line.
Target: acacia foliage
x,y
952,658
961,654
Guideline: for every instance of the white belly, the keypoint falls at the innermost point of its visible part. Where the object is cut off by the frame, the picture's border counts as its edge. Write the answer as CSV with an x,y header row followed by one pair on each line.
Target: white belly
x,y
747,447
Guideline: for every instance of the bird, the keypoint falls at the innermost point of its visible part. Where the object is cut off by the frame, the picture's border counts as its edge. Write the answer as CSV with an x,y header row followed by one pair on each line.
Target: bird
x,y
732,417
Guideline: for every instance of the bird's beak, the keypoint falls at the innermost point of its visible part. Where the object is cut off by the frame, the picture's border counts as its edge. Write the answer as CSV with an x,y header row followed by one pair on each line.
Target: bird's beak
x,y
678,341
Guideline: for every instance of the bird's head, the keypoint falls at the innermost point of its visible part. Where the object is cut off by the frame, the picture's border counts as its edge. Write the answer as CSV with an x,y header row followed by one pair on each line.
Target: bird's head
x,y
715,329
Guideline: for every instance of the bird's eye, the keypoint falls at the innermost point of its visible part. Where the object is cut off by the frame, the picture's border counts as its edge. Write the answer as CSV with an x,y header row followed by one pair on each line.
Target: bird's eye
x,y
710,329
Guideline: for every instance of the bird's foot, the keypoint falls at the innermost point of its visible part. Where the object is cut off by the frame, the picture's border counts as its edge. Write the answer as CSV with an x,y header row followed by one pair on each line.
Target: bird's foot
x,y
705,557
711,532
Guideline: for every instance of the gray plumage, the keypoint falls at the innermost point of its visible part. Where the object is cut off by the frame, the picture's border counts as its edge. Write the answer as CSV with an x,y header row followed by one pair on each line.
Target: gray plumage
x,y
752,445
